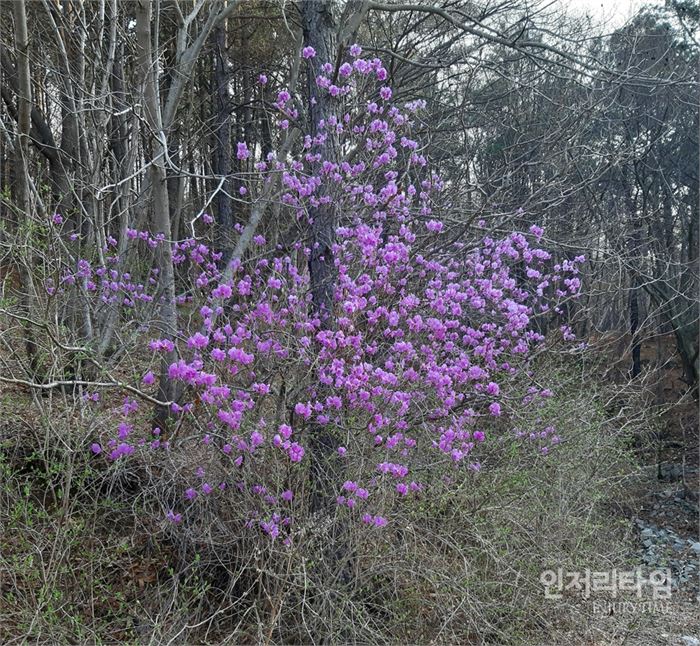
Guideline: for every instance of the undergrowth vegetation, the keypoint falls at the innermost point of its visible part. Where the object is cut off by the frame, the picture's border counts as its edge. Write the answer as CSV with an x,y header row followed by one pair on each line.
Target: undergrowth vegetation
x,y
87,554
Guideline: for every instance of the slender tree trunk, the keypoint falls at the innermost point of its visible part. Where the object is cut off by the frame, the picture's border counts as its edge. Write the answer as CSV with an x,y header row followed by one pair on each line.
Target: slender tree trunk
x,y
24,108
634,329
222,142
159,196
40,134
122,161
319,32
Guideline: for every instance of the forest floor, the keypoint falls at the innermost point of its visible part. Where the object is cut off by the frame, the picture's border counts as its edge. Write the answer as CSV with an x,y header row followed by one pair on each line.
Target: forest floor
x,y
664,507
661,507
667,538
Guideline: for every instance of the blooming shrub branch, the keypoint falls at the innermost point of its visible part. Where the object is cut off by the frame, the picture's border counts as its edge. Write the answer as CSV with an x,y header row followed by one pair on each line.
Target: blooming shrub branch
x,y
426,341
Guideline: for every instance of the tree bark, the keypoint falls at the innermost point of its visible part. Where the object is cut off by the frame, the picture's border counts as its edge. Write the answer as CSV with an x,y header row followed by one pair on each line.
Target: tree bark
x,y
319,32
22,199
222,142
159,194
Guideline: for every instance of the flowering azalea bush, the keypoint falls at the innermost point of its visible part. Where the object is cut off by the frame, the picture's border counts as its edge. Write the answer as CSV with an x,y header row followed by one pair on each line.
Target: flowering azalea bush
x,y
410,375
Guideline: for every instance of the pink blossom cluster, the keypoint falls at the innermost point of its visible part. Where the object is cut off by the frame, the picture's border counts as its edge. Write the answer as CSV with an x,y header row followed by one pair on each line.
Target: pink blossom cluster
x,y
426,338
108,283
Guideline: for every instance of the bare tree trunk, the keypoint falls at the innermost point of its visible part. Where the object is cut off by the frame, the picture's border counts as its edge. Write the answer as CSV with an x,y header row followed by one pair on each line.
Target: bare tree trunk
x,y
122,162
319,32
634,329
222,142
159,194
24,109
40,134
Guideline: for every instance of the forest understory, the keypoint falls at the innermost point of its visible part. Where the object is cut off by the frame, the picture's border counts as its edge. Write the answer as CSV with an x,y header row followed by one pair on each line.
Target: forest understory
x,y
78,566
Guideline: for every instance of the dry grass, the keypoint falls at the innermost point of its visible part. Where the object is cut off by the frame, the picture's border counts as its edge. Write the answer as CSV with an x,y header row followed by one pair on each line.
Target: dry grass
x,y
87,556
